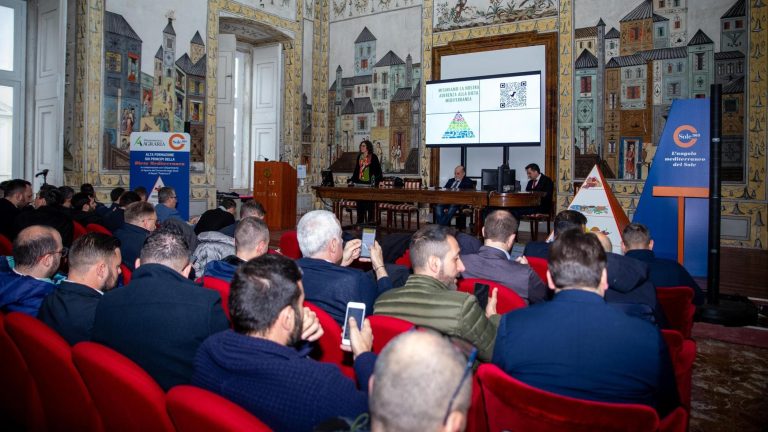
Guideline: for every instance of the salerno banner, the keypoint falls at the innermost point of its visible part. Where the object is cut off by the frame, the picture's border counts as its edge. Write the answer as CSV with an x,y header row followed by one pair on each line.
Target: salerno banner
x,y
680,168
161,159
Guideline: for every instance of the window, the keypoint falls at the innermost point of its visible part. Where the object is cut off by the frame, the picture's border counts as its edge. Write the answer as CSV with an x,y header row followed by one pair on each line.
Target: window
x,y
169,43
639,72
677,3
673,89
699,61
730,106
612,45
361,51
633,92
384,77
586,84
612,101
739,67
361,123
383,93
739,24
628,74
611,146
661,4
589,44
369,50
364,64
380,118
720,69
661,32
729,68
375,93
634,34
678,24
375,80
348,93
680,67
669,67
726,25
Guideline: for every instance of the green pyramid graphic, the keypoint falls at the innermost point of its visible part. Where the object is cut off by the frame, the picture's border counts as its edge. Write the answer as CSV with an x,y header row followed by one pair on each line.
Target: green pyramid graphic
x,y
458,128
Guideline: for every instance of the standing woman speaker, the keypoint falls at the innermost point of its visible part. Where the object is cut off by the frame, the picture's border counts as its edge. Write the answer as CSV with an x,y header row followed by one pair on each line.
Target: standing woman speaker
x,y
367,171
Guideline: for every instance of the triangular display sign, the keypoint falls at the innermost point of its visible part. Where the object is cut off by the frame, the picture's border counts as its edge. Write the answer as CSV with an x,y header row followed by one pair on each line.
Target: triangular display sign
x,y
596,201
152,199
458,128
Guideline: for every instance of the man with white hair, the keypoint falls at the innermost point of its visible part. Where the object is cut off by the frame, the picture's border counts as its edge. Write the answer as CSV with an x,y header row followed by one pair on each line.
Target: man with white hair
x,y
328,281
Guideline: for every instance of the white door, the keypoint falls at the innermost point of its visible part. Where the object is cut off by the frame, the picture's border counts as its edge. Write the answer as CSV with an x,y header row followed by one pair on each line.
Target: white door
x,y
13,19
48,136
265,109
225,117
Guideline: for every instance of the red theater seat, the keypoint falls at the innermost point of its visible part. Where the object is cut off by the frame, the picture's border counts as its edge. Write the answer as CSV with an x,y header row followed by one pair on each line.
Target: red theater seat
x,y
289,245
127,398
507,299
193,409
126,274
540,266
97,229
6,246
19,402
79,230
67,405
327,348
677,303
222,287
385,328
683,354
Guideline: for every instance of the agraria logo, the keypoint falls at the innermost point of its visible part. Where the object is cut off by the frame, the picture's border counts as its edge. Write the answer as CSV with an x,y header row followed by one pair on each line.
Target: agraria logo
x,y
685,136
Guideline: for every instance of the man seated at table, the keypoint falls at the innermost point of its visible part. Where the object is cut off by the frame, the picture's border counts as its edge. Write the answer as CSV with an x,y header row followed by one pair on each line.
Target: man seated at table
x,y
444,212
577,345
537,182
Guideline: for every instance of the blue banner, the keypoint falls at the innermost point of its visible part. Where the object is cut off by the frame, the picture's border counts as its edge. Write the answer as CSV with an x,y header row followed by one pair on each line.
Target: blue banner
x,y
681,160
161,159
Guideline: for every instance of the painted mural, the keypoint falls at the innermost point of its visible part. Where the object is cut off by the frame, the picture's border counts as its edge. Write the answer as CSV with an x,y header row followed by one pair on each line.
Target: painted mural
x,y
283,8
375,90
346,9
454,14
169,99
633,58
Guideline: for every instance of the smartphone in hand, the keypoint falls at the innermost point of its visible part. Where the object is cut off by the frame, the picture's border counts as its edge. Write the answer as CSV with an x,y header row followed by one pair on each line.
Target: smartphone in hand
x,y
354,310
481,293
369,236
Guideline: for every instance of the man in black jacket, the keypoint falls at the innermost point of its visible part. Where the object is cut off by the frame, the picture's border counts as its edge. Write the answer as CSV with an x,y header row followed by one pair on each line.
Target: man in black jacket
x,y
537,182
18,194
160,318
140,221
218,218
94,265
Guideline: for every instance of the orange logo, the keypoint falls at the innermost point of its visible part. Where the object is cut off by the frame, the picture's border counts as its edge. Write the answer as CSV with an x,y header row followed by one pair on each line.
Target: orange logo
x,y
177,141
685,136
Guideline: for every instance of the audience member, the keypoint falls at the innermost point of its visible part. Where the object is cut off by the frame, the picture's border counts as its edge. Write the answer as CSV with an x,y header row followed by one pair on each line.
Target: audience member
x,y
161,317
114,197
605,242
218,218
330,283
251,241
166,197
18,194
211,246
628,285
116,218
250,208
84,209
537,182
141,191
444,212
37,252
638,244
430,299
48,211
140,221
88,188
576,345
493,261
256,366
94,266
66,194
421,383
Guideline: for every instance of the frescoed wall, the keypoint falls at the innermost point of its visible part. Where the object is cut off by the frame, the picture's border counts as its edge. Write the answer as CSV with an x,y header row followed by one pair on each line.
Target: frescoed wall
x,y
454,14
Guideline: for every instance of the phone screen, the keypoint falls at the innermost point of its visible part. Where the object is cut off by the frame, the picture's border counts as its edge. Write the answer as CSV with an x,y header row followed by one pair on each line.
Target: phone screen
x,y
369,236
356,312
481,293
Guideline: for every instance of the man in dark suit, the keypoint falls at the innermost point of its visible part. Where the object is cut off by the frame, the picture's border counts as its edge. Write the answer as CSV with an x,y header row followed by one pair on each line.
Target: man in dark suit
x,y
18,194
493,261
636,242
328,282
84,209
444,212
160,318
140,221
629,287
537,182
218,218
576,344
49,211
250,208
115,219
94,265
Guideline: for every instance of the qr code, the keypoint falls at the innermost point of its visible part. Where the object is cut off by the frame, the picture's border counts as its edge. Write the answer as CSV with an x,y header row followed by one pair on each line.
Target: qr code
x,y
513,94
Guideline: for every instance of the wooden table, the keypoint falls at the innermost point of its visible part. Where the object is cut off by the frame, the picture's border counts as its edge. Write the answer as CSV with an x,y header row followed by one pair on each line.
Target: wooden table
x,y
478,200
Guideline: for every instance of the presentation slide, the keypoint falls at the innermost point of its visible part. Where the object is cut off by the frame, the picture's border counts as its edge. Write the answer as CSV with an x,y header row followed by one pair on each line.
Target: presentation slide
x,y
498,110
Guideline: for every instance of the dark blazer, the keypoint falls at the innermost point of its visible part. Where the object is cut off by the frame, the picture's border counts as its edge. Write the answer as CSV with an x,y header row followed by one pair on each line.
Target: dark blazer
x,y
330,287
214,220
85,218
466,183
56,217
576,345
667,273
159,320
8,213
286,391
629,286
69,310
131,241
491,263
374,169
115,219
544,185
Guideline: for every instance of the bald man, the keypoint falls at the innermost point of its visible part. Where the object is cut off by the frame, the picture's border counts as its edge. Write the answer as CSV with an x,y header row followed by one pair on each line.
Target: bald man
x,y
444,212
37,251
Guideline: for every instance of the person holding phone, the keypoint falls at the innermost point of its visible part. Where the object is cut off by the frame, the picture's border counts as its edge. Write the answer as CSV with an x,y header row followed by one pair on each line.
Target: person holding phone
x,y
367,171
256,365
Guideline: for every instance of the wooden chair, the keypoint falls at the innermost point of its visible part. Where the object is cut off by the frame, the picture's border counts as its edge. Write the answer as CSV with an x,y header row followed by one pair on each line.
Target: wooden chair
x,y
403,209
535,218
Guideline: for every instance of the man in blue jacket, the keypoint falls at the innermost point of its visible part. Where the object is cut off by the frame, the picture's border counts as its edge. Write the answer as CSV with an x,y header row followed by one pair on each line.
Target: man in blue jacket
x,y
579,346
251,241
328,282
37,251
256,366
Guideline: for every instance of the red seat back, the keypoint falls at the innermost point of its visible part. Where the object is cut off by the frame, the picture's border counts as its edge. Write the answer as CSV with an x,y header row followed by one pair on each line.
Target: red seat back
x,y
405,260
127,398
194,409
65,399
289,245
78,231
677,303
682,352
6,246
126,273
327,348
506,299
540,266
222,287
19,401
513,405
97,228
385,328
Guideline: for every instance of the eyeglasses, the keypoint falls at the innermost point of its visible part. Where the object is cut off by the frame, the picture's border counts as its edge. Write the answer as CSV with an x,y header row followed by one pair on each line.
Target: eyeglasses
x,y
467,372
63,251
